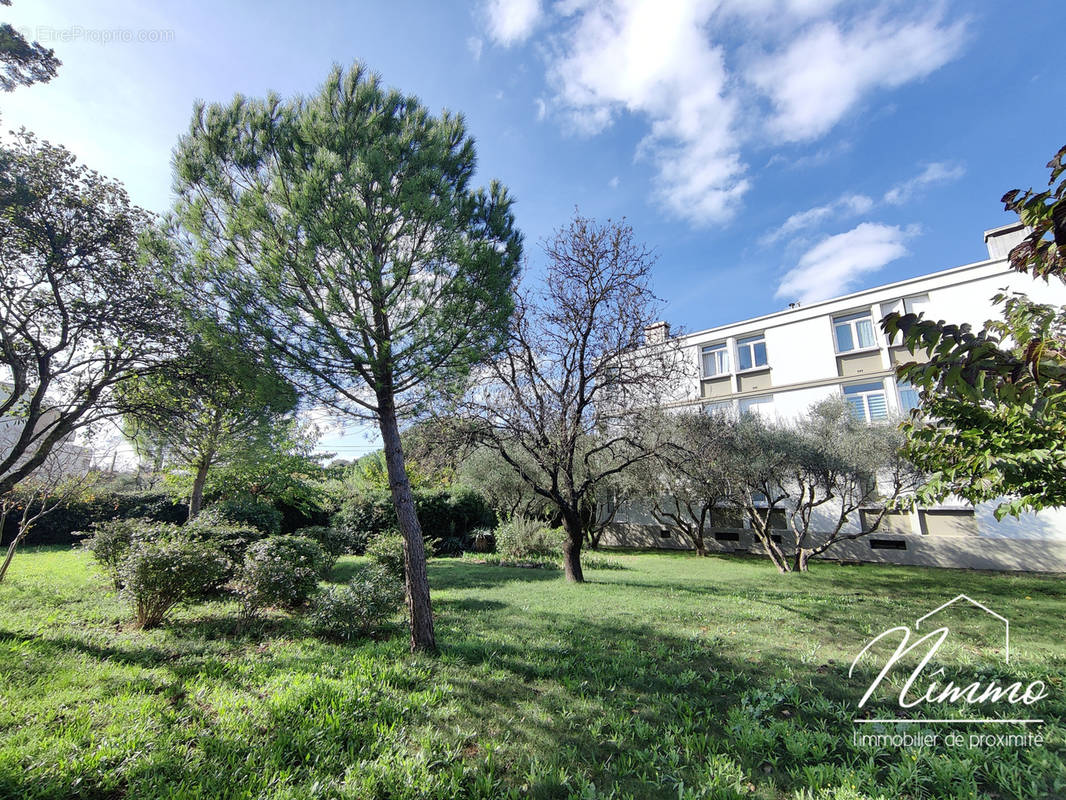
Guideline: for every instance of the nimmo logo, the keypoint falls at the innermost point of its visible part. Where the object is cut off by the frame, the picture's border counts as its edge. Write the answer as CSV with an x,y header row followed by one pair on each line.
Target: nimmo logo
x,y
925,690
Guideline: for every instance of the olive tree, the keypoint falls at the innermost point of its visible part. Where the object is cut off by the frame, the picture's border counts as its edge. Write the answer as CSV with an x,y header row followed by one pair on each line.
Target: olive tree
x,y
846,476
820,474
682,485
341,234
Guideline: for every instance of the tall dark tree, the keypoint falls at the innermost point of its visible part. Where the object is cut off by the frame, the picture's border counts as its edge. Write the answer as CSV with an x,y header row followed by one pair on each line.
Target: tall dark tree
x,y
562,405
341,233
22,62
82,302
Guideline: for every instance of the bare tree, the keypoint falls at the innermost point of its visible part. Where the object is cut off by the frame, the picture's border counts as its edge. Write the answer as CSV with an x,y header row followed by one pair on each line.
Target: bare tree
x,y
64,474
561,406
80,307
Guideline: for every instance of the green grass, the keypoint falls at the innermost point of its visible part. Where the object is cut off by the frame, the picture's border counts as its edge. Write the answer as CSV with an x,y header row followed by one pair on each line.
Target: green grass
x,y
665,676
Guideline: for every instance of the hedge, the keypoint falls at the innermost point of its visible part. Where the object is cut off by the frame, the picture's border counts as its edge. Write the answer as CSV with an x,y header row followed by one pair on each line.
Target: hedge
x,y
60,524
448,517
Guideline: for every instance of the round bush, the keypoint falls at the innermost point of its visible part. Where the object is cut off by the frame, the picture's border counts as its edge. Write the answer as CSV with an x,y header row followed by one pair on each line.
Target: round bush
x,y
231,538
112,540
158,575
358,609
280,571
333,541
520,538
250,512
386,553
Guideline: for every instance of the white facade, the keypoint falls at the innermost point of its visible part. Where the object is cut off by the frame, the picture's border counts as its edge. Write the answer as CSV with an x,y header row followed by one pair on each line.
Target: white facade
x,y
781,363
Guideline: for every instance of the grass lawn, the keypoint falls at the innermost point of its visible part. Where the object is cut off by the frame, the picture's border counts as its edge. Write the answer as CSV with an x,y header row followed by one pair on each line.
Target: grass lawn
x,y
671,677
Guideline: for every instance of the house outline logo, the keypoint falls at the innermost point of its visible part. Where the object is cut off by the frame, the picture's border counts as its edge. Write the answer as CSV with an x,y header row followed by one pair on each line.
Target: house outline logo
x,y
927,686
986,609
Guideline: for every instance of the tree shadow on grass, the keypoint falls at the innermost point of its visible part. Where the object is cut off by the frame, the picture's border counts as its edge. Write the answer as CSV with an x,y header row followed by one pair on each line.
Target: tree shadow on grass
x,y
606,698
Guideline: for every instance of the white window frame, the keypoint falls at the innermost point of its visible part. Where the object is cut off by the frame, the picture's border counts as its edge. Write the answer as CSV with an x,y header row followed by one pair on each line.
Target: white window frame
x,y
901,387
865,397
908,303
749,343
746,405
852,320
726,407
721,350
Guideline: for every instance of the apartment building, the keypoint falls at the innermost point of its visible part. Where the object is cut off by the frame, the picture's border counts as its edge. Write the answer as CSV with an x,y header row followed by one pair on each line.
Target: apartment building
x,y
777,365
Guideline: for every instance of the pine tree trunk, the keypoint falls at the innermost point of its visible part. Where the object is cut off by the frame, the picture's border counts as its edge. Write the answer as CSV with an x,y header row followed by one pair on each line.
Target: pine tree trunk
x,y
196,501
419,607
572,548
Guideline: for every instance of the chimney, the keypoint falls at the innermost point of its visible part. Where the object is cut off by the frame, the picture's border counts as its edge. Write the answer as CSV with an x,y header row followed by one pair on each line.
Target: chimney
x,y
1001,241
657,332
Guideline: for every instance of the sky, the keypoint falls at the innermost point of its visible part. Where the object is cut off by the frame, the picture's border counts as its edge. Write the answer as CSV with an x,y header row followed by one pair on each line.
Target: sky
x,y
770,151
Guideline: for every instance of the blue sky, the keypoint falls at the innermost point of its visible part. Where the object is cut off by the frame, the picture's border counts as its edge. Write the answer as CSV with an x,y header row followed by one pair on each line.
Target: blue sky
x,y
769,150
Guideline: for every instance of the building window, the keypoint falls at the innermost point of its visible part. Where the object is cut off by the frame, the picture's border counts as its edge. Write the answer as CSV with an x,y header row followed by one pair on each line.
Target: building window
x,y
751,352
867,401
908,397
948,522
916,305
756,405
854,332
719,408
715,360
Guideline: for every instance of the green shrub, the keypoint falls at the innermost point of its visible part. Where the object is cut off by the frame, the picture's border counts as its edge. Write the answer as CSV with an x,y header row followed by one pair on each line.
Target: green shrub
x,y
358,609
333,542
386,553
280,571
111,541
519,539
158,575
250,512
231,538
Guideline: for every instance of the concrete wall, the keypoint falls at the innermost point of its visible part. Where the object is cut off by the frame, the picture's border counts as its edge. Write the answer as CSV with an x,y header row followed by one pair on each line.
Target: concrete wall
x,y
1008,549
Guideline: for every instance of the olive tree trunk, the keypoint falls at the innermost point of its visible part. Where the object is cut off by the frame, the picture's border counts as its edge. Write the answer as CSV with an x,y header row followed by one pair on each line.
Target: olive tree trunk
x,y
575,535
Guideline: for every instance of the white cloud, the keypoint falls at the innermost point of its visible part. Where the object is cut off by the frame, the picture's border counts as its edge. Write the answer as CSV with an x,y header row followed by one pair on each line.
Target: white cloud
x,y
542,108
475,45
937,172
613,182
711,77
656,60
512,21
844,206
837,263
823,73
